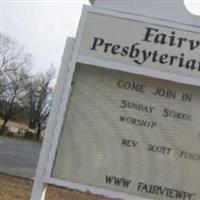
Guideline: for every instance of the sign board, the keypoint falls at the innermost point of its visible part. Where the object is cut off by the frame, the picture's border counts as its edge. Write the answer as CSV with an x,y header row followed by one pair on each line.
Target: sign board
x,y
131,134
125,120
142,44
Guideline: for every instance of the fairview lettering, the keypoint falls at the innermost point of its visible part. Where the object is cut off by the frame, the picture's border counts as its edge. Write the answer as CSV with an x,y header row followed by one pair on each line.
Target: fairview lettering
x,y
165,192
154,35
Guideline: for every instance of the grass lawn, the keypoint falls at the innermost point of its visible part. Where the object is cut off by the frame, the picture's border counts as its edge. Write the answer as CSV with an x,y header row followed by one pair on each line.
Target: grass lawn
x,y
14,124
14,188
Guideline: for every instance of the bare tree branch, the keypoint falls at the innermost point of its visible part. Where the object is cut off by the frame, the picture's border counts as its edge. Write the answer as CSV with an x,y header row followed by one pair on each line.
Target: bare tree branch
x,y
38,100
12,55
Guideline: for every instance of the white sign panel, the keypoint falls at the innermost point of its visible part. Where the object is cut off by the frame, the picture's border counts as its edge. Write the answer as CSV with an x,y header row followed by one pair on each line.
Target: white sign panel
x,y
132,134
113,129
142,44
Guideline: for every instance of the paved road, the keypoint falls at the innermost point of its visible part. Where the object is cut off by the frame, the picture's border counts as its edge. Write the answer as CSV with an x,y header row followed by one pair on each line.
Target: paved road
x,y
18,157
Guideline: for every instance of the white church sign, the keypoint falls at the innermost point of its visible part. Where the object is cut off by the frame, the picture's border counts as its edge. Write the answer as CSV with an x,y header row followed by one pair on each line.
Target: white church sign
x,y
126,114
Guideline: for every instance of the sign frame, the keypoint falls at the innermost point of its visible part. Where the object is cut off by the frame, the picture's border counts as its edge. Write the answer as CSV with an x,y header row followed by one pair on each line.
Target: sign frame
x,y
62,94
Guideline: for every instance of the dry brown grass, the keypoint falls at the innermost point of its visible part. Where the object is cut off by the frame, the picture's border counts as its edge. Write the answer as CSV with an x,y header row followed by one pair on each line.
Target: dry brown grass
x,y
14,124
14,188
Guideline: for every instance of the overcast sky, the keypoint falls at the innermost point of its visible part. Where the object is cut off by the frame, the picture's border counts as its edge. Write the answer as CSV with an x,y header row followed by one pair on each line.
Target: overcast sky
x,y
43,26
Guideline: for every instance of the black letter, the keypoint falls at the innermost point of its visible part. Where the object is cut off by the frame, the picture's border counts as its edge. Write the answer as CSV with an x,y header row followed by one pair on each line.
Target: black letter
x,y
123,105
97,42
148,33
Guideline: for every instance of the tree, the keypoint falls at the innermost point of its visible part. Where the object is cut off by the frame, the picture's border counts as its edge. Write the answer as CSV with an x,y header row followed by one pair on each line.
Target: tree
x,y
38,101
12,55
13,93
19,90
3,86
13,61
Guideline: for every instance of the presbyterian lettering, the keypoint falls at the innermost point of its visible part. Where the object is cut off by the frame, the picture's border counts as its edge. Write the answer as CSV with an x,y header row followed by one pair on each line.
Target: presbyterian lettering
x,y
165,192
140,56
